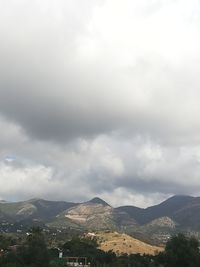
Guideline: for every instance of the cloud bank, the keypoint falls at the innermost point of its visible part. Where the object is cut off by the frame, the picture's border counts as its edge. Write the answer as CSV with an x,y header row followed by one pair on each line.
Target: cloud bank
x,y
99,98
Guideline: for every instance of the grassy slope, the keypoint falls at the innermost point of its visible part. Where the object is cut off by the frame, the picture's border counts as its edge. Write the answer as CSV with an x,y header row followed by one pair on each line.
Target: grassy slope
x,y
122,243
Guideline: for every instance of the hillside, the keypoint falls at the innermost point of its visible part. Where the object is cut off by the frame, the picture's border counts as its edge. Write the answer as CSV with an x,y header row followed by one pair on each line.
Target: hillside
x,y
95,215
123,243
33,209
169,208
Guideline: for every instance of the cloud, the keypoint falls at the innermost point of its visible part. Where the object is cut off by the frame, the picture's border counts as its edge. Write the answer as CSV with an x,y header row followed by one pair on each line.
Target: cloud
x,y
89,75
100,97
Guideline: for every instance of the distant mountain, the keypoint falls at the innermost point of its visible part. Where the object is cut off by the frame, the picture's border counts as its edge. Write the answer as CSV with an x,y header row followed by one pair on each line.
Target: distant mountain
x,y
168,208
188,216
133,212
95,214
178,213
33,209
98,200
90,215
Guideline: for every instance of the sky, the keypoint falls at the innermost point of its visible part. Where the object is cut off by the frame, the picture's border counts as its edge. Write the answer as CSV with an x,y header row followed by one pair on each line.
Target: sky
x,y
99,98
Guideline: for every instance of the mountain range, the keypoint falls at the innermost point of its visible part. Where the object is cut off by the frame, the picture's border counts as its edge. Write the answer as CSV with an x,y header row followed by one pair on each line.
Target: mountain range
x,y
178,213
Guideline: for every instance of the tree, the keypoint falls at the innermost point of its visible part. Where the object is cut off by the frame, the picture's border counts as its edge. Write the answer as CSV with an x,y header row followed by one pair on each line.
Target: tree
x,y
34,251
6,241
88,248
181,251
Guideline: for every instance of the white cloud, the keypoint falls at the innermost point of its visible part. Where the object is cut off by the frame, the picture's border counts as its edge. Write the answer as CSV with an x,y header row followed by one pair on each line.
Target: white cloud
x,y
29,181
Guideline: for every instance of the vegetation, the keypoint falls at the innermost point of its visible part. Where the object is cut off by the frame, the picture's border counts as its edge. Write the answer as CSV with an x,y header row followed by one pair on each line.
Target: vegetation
x,y
88,248
6,241
181,251
33,252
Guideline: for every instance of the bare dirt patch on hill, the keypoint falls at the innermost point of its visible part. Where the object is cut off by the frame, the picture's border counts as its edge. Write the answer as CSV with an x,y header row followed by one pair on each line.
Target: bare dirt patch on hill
x,y
122,243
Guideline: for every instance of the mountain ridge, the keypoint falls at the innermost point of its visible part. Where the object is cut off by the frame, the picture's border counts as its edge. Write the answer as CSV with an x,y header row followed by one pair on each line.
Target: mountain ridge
x,y
180,211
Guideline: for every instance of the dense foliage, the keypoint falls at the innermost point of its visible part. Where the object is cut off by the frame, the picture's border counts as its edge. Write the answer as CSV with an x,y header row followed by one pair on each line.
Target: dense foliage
x,y
180,251
33,252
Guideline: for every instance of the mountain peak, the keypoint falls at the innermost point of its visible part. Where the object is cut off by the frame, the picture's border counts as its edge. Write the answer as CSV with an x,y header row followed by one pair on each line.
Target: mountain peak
x,y
97,200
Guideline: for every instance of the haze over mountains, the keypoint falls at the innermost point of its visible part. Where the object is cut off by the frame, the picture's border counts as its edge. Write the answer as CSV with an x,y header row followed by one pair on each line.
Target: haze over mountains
x,y
178,213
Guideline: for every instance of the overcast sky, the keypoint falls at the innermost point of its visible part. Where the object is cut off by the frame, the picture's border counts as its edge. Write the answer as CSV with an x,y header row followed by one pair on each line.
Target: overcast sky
x,y
99,98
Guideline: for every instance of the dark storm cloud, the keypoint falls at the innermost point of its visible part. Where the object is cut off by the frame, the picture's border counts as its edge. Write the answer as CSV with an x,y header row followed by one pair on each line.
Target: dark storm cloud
x,y
60,80
40,86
